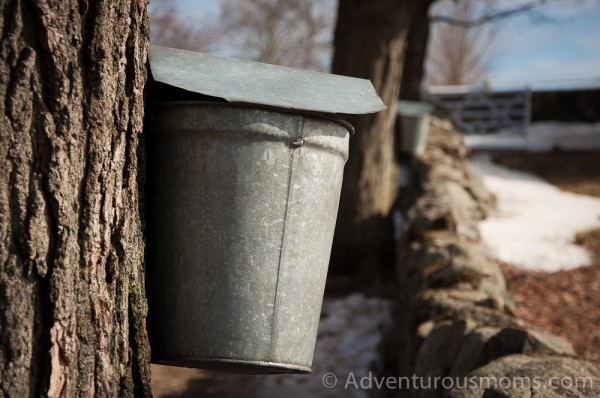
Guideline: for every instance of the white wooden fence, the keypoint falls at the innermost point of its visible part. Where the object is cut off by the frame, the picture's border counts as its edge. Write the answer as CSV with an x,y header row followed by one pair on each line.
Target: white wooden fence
x,y
482,111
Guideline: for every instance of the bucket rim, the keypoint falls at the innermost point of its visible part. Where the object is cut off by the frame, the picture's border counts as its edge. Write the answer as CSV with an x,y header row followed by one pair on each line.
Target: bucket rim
x,y
239,366
318,115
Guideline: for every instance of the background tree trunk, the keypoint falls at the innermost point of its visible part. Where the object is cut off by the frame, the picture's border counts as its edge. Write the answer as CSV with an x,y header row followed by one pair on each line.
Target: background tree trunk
x,y
416,53
72,304
369,43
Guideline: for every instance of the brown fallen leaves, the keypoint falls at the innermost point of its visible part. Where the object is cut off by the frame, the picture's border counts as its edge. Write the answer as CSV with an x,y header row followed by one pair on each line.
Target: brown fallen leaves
x,y
566,303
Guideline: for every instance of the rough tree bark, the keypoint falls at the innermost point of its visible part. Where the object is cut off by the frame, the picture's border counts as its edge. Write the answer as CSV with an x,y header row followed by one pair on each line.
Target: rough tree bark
x,y
416,53
369,43
72,304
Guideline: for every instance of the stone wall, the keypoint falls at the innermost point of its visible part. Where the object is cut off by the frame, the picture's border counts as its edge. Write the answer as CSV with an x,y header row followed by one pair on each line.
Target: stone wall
x,y
456,317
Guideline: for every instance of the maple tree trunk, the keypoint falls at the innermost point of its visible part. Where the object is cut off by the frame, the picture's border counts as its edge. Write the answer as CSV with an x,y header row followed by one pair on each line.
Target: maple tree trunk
x,y
72,302
416,54
369,43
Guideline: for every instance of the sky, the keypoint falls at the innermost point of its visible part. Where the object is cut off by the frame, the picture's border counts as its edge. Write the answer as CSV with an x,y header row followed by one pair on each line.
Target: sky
x,y
567,47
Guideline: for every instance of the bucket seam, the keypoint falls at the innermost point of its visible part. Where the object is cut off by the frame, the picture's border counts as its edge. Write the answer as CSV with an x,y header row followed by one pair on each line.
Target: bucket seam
x,y
280,270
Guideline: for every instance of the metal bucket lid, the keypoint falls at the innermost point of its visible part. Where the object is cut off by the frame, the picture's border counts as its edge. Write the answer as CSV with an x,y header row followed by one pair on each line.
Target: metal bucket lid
x,y
414,108
257,83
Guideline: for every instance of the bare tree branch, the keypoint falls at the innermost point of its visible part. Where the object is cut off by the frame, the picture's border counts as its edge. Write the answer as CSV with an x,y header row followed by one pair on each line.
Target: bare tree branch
x,y
169,28
459,54
491,17
284,32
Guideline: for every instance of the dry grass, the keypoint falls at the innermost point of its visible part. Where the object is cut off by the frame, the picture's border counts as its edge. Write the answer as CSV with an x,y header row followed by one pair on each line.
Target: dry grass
x,y
590,240
573,171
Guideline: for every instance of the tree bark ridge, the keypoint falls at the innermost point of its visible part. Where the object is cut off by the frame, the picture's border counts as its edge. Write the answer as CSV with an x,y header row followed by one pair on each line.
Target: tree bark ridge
x,y
71,246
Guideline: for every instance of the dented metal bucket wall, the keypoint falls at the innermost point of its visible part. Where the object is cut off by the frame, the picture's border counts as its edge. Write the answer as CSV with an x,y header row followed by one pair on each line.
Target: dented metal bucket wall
x,y
242,204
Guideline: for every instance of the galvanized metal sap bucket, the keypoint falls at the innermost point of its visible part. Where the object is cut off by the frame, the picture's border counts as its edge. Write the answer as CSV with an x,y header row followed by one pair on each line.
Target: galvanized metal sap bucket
x,y
245,202
242,202
414,118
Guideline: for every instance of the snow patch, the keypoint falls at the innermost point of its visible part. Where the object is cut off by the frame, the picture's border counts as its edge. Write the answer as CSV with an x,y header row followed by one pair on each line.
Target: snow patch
x,y
534,223
350,332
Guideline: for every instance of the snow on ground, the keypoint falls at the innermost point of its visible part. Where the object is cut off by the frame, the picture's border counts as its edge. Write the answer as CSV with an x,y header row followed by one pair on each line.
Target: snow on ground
x,y
541,136
534,223
351,330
